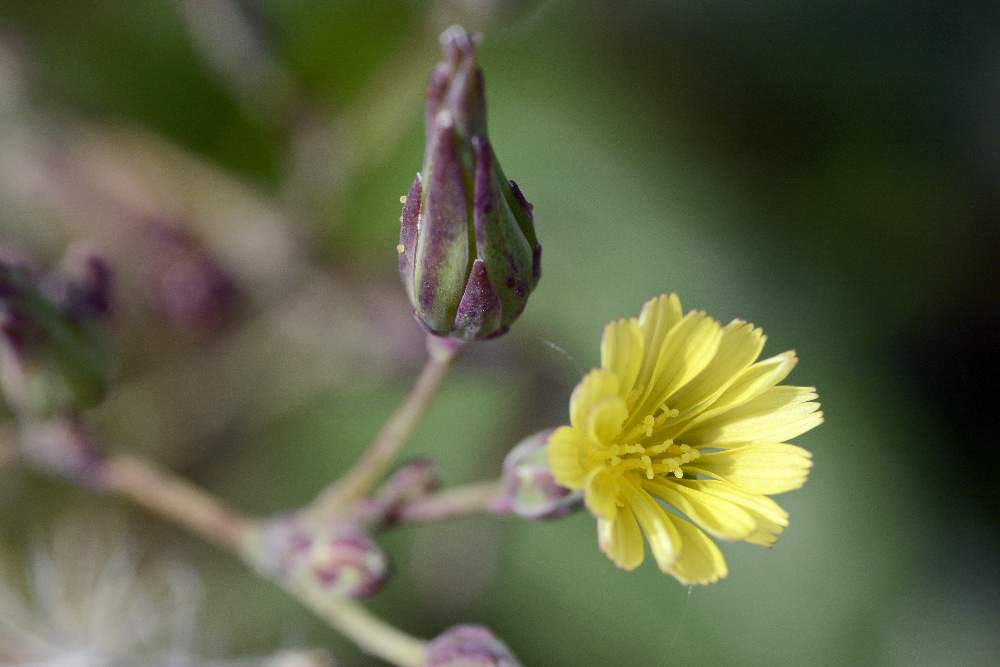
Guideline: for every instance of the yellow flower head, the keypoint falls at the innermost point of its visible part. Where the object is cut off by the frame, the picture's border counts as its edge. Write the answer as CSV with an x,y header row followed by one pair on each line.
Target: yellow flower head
x,y
682,412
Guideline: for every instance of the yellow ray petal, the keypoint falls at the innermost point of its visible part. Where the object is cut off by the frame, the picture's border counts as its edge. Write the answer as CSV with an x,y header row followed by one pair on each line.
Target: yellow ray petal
x,y
740,345
621,540
663,538
686,350
700,561
751,383
762,468
779,414
622,353
602,491
568,449
595,386
752,502
719,517
657,318
768,516
605,419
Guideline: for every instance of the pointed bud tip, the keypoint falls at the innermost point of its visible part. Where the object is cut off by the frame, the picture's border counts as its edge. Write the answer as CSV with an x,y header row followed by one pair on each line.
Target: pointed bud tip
x,y
457,43
468,253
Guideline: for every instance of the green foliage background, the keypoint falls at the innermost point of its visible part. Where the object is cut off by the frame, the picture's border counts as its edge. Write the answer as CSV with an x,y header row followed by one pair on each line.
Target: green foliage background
x,y
824,170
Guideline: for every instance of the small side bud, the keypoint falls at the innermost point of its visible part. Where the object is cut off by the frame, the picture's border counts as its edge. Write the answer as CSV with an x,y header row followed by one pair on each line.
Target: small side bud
x,y
83,284
55,355
469,646
63,446
278,546
344,559
529,488
338,557
191,289
468,254
408,483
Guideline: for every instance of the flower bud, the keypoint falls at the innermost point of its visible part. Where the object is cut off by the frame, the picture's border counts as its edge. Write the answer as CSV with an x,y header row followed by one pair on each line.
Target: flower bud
x,y
529,488
468,255
54,353
83,286
410,482
468,646
191,289
63,446
346,560
279,546
338,557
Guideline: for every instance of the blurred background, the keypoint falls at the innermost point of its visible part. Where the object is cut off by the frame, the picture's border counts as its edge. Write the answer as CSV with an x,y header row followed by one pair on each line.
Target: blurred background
x,y
826,170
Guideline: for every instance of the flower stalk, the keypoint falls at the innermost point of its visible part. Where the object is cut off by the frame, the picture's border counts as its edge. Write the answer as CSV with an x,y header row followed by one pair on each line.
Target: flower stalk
x,y
459,501
164,494
393,436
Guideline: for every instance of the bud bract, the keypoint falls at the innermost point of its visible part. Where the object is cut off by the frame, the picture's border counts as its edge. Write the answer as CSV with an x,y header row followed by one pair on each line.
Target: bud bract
x,y
529,488
54,352
346,560
410,482
468,254
337,556
468,646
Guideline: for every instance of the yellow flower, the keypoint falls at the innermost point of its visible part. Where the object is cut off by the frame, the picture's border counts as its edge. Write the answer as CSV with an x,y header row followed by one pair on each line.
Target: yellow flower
x,y
680,412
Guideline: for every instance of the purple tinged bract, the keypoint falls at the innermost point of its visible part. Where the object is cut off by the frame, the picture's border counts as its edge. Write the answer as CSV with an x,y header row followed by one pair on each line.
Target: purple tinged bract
x,y
469,646
529,488
468,254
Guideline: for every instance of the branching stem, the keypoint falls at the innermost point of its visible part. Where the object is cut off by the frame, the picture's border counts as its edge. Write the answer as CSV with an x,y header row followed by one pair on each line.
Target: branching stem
x,y
393,436
475,498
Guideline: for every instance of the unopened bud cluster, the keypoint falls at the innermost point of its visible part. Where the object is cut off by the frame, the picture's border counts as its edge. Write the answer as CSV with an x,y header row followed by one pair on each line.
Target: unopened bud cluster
x,y
468,254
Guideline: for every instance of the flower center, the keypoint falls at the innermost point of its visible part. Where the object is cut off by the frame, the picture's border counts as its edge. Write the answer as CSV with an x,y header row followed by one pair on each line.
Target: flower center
x,y
665,458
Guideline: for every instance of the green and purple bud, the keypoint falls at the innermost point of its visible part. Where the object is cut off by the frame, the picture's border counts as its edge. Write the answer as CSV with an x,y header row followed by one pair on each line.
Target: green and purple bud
x,y
529,488
468,254
344,559
469,646
339,557
409,483
54,353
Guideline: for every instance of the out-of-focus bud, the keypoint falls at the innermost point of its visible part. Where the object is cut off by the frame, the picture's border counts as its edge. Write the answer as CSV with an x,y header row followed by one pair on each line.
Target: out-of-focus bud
x,y
346,560
408,483
278,546
64,446
83,285
339,557
469,646
54,352
190,288
529,489
468,254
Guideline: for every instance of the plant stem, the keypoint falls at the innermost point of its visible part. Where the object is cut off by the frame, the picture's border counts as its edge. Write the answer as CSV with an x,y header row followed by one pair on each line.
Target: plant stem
x,y
458,501
391,439
166,495
373,635
162,493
